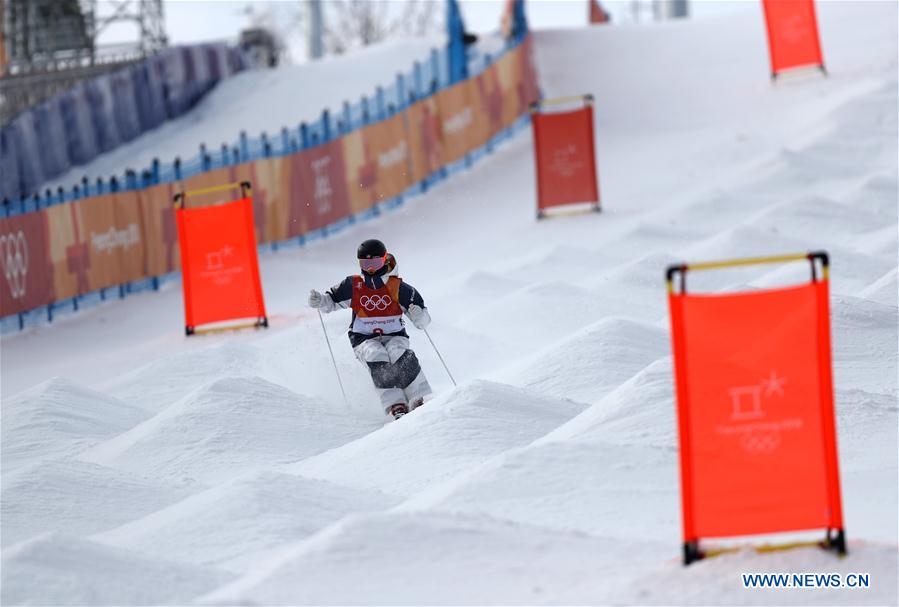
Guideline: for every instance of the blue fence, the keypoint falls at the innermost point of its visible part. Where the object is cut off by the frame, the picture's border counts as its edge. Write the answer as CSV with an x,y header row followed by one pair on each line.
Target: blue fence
x,y
424,79
99,114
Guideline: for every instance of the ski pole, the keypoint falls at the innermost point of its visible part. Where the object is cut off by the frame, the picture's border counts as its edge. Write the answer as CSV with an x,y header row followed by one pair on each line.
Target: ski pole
x,y
328,341
440,357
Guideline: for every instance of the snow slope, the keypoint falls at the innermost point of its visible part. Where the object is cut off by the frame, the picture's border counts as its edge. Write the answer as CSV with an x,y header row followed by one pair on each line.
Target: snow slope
x,y
242,423
63,570
234,524
58,418
50,495
550,474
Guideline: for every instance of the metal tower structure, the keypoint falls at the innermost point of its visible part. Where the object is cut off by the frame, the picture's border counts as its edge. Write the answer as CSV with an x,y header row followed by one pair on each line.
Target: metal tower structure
x,y
146,15
49,45
38,35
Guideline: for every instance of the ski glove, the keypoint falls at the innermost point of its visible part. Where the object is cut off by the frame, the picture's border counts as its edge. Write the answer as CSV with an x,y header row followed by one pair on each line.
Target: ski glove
x,y
316,299
419,316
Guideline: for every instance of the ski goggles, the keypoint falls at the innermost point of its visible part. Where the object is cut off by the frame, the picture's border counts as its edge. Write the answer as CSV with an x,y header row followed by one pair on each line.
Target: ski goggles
x,y
374,264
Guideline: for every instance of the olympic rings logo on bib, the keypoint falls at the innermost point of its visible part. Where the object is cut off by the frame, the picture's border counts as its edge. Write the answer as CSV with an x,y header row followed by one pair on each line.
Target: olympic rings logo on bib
x,y
375,302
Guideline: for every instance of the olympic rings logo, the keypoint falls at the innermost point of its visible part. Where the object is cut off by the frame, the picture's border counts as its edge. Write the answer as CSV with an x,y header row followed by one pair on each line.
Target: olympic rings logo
x,y
14,253
760,443
375,302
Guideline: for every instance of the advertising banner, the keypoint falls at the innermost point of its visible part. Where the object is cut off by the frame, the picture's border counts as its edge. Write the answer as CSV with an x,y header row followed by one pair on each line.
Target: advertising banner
x,y
492,100
158,219
102,241
566,164
755,411
377,163
246,172
219,264
69,250
318,188
425,138
462,124
792,34
127,238
27,280
271,200
529,84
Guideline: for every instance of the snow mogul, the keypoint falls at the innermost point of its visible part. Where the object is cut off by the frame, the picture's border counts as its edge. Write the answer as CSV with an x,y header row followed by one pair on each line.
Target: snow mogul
x,y
379,298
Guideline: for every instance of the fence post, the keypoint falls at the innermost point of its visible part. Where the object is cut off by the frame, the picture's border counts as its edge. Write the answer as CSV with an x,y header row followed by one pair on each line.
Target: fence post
x,y
155,170
304,135
347,116
326,126
204,159
435,68
225,160
244,146
418,82
177,167
379,101
266,146
285,140
113,184
366,116
400,92
99,186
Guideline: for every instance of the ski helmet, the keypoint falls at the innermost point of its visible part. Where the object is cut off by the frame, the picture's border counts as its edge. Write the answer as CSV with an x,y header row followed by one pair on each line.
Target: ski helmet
x,y
372,255
370,249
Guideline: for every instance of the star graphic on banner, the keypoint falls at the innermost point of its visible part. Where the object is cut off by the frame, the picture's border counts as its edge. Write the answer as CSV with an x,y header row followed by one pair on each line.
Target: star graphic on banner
x,y
774,384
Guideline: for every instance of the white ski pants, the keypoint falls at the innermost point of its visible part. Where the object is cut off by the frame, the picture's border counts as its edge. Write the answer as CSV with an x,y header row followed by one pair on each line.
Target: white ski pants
x,y
394,369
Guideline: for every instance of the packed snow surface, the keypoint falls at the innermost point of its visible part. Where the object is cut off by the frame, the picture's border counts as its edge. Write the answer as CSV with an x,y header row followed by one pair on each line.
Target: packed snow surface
x,y
140,467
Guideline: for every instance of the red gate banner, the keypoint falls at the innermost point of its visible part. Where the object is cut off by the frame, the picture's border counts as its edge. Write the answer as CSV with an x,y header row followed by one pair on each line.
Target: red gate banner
x,y
792,34
566,163
754,387
219,264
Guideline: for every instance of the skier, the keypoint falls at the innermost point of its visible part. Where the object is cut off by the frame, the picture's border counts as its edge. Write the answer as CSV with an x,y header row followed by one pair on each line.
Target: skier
x,y
378,298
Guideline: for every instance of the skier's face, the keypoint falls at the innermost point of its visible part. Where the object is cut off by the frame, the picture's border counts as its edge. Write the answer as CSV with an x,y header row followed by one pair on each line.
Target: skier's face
x,y
371,266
